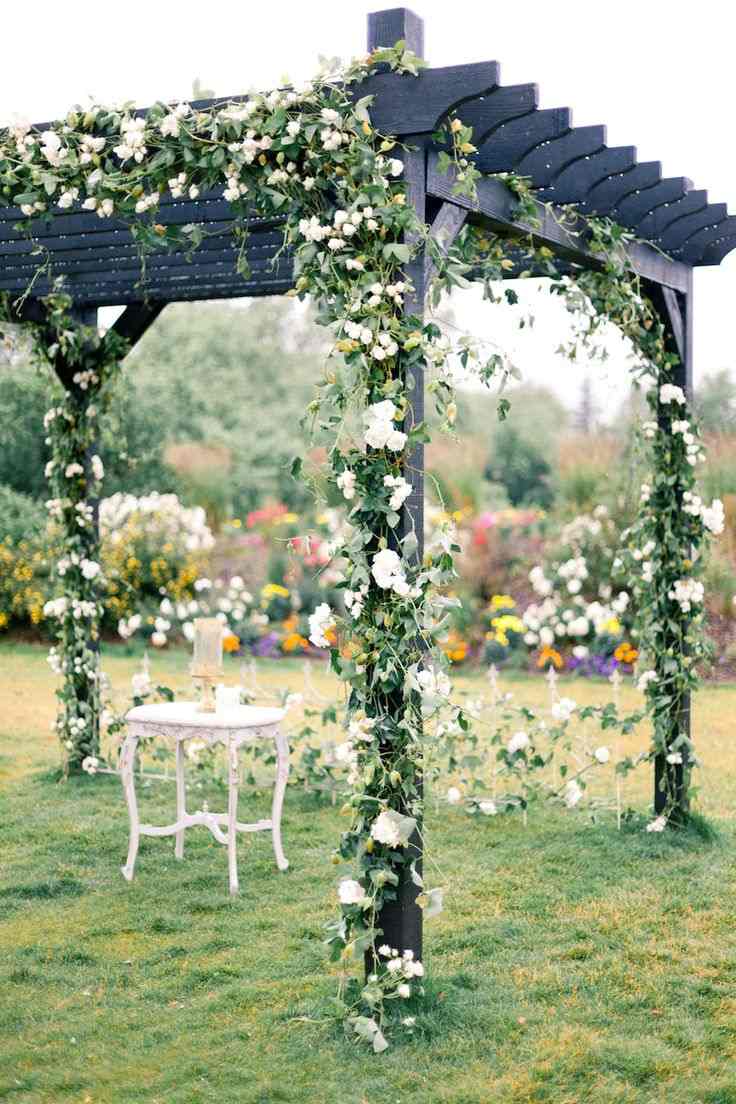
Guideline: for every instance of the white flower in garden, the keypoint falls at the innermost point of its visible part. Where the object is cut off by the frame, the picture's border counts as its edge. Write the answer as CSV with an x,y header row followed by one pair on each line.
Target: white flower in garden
x,y
649,429
574,586
395,965
404,990
380,430
540,583
170,125
346,483
392,829
361,729
159,639
572,794
681,427
580,626
401,490
454,797
563,709
657,825
488,807
714,517
90,764
56,607
354,600
388,570
518,742
645,679
687,592
98,468
546,636
668,393
350,892
433,684
581,651
72,470
602,755
319,623
52,148
395,166
675,757
90,569
385,950
329,115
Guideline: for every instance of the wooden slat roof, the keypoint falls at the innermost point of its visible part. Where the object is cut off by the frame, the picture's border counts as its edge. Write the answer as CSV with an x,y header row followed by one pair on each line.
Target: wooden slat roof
x,y
566,164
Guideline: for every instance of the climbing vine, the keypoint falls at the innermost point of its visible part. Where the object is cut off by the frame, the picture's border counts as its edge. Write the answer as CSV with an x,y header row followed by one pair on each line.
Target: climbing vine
x,y
312,156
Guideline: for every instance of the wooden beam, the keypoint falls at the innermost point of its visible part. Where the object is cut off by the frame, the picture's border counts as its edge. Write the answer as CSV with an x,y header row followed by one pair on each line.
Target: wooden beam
x,y
446,226
136,319
496,206
387,27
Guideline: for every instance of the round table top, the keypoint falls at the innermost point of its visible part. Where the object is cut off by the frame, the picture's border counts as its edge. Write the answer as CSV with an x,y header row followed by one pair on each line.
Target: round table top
x,y
189,714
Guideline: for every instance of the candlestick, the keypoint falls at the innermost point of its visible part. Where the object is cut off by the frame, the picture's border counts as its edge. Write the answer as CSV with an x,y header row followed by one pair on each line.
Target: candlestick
x,y
207,660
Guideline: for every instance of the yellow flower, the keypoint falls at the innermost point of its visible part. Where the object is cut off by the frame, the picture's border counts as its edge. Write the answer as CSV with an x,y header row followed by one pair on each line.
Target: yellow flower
x,y
502,601
274,590
612,626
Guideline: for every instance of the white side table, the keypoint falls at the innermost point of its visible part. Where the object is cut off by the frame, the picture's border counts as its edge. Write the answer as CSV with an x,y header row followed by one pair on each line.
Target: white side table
x,y
233,727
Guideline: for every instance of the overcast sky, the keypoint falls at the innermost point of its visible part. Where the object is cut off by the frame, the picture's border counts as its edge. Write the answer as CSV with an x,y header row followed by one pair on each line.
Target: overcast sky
x,y
659,75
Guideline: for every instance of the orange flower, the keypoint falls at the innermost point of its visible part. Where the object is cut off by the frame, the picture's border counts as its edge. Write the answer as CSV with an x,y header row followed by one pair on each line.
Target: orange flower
x,y
550,655
230,643
626,653
294,641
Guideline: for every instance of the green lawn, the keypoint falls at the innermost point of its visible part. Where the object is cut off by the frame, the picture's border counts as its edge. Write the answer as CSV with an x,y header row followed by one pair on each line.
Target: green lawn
x,y
572,963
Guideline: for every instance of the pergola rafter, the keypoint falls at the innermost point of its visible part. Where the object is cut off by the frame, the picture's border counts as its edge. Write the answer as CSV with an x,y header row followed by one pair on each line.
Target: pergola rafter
x,y
567,165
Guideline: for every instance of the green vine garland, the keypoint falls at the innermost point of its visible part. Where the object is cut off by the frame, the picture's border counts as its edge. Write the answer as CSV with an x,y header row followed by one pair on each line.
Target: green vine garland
x,y
312,156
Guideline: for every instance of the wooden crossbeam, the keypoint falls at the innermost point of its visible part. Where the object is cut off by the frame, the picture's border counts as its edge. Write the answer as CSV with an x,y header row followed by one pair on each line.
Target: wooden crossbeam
x,y
496,205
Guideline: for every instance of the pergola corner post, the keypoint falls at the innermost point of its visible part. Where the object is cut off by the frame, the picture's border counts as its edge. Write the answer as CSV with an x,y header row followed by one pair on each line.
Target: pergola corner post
x,y
131,325
675,308
87,691
401,919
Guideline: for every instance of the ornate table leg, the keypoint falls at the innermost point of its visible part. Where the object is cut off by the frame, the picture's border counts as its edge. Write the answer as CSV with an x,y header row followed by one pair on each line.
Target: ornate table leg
x,y
127,763
232,815
282,773
180,798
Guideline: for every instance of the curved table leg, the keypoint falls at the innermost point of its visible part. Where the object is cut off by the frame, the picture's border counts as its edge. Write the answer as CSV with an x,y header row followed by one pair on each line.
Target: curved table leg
x,y
282,773
180,798
127,774
232,816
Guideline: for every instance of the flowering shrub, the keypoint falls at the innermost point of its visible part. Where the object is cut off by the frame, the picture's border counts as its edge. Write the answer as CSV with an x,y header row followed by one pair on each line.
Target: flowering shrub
x,y
577,608
151,546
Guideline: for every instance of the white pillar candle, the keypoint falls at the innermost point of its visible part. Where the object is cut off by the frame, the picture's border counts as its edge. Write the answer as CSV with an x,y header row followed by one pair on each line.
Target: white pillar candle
x,y
227,697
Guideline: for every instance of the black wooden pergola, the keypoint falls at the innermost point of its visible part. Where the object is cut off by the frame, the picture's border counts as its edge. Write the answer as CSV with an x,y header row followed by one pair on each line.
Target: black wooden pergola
x,y
567,165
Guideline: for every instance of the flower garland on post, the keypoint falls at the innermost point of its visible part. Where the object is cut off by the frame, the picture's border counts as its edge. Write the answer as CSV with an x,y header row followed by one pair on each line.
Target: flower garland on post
x,y
85,365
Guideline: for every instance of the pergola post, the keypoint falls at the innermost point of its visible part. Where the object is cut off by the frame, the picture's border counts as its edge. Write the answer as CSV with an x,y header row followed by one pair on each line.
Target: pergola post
x,y
676,311
401,919
87,691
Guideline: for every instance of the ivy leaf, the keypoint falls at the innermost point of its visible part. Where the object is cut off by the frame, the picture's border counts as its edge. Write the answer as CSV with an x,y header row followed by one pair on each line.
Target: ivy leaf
x,y
398,250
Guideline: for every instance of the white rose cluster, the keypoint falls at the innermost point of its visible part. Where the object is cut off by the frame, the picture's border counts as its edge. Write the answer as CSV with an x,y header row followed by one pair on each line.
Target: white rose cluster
x,y
687,593
320,622
380,429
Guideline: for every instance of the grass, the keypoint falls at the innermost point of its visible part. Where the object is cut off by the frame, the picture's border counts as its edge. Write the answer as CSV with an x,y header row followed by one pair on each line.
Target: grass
x,y
572,964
